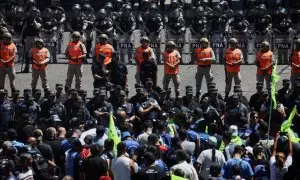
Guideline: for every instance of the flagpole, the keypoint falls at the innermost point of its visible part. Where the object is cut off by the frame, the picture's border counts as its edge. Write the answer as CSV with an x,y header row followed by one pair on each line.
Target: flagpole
x,y
269,121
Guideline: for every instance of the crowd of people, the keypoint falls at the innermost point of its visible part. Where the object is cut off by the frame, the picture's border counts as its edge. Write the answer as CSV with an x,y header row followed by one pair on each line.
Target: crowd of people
x,y
64,135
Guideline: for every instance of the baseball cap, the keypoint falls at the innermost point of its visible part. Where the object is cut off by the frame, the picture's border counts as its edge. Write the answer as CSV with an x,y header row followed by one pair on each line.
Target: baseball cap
x,y
233,129
212,141
125,135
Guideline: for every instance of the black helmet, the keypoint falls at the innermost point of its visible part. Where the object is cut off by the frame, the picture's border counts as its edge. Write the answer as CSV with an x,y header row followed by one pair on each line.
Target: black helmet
x,y
239,14
76,34
7,35
127,7
87,7
103,37
109,6
153,7
76,7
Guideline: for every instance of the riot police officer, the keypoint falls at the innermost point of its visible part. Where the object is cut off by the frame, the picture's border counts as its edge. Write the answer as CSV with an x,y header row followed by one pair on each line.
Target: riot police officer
x,y
204,57
30,31
233,60
264,62
143,12
8,52
89,13
78,21
175,19
39,56
48,32
139,56
199,23
19,21
126,21
104,24
240,24
153,21
263,24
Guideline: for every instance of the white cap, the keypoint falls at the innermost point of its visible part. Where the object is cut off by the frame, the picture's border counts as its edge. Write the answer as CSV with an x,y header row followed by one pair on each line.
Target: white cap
x,y
233,129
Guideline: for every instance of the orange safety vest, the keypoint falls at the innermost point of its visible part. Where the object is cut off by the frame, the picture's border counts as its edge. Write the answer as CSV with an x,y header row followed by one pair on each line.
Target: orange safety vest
x,y
264,60
233,56
139,55
171,58
74,50
106,49
39,55
295,60
6,52
202,53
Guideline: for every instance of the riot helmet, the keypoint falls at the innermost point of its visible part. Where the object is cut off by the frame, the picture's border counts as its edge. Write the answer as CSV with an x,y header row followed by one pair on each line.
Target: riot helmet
x,y
76,7
76,35
204,42
101,13
265,46
34,12
127,9
171,44
233,42
174,4
39,43
109,7
7,37
103,38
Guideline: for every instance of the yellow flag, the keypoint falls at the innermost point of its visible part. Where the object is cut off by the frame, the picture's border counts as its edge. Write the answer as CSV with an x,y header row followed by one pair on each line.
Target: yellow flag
x,y
288,123
275,78
112,132
173,177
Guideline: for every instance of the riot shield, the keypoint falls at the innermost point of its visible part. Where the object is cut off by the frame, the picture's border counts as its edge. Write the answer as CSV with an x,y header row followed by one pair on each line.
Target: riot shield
x,y
218,44
254,45
126,46
50,42
65,40
20,48
282,46
242,44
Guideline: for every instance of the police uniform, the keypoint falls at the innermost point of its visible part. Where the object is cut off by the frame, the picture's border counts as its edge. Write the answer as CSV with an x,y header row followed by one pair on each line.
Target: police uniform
x,y
139,57
7,57
264,64
233,59
171,68
6,112
39,56
205,56
74,50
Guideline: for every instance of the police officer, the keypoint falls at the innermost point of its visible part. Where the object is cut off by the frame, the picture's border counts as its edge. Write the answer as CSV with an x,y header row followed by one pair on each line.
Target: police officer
x,y
264,62
139,56
240,24
175,19
143,11
126,21
30,31
90,19
39,56
104,24
60,17
27,111
204,57
199,24
295,62
6,112
103,47
153,21
78,21
172,60
233,60
148,69
19,21
75,52
8,52
99,72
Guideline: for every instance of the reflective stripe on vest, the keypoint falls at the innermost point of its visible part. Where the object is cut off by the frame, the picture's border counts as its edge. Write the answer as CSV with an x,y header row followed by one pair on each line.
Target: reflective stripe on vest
x,y
74,50
295,60
39,55
264,60
203,54
233,56
106,49
171,58
6,52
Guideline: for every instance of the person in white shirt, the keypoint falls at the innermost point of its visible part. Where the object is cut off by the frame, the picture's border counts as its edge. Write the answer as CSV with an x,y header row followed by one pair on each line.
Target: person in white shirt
x,y
188,170
279,164
123,167
209,157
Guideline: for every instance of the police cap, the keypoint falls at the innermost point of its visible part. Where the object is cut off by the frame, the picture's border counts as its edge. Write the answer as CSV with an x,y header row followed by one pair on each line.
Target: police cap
x,y
76,34
233,41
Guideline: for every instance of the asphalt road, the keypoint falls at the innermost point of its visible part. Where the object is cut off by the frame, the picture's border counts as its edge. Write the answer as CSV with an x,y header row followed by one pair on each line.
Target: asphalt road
x,y
57,74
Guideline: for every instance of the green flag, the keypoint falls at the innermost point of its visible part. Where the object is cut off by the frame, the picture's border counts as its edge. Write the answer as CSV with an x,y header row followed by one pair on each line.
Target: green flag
x,y
287,124
173,177
112,133
275,78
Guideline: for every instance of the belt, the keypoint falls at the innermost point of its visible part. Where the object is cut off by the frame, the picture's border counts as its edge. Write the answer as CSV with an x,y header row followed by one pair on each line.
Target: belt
x,y
204,66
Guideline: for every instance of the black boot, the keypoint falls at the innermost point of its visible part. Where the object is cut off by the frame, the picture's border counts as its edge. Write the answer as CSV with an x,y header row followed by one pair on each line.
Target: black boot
x,y
26,61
